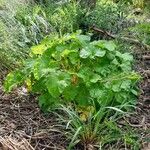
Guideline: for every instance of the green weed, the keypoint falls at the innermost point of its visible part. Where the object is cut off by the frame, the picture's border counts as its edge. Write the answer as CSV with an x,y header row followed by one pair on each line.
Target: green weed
x,y
73,69
98,131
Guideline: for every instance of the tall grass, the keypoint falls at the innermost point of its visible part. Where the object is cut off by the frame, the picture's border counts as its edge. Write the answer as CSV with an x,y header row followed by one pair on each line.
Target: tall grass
x,y
12,36
22,25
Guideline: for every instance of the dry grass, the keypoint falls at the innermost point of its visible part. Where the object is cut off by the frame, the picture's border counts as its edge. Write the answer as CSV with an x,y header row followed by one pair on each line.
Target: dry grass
x,y
9,143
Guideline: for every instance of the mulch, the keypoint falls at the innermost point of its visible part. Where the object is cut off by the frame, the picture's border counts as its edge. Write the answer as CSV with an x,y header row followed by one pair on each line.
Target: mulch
x,y
142,65
22,119
141,118
22,122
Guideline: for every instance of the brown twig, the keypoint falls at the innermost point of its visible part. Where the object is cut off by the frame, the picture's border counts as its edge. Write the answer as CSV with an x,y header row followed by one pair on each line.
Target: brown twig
x,y
103,32
125,39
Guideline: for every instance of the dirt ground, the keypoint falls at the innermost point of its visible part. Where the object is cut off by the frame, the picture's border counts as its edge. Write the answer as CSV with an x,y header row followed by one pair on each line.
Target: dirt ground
x,y
24,127
23,124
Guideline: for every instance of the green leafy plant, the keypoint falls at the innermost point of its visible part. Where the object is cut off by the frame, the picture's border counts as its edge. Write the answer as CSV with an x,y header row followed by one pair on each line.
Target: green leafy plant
x,y
67,17
71,69
109,16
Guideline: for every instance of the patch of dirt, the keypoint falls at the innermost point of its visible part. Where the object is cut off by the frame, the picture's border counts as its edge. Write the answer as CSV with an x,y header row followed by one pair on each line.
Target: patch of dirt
x,y
141,118
143,106
21,118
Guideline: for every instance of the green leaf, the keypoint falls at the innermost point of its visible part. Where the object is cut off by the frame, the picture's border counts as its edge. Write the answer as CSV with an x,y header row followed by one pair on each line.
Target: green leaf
x,y
46,101
121,97
41,65
127,57
38,49
83,98
66,52
134,92
70,92
126,66
83,39
62,85
39,86
126,85
52,85
56,83
13,79
85,52
96,93
84,73
95,78
110,45
118,54
61,47
99,53
74,58
29,65
43,100
37,71
115,62
116,87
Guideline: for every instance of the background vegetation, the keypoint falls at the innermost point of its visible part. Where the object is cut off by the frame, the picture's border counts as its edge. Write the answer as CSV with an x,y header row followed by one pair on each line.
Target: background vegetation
x,y
76,57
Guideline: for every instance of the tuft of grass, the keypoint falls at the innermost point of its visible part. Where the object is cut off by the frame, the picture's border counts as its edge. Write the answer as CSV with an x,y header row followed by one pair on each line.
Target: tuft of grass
x,y
99,131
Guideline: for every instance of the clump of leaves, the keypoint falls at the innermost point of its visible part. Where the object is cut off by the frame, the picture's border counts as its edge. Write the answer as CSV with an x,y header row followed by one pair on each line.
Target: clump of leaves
x,y
72,69
67,17
142,32
109,16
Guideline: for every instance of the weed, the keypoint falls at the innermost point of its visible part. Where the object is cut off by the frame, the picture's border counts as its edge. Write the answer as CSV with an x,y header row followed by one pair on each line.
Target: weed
x,y
98,131
73,69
